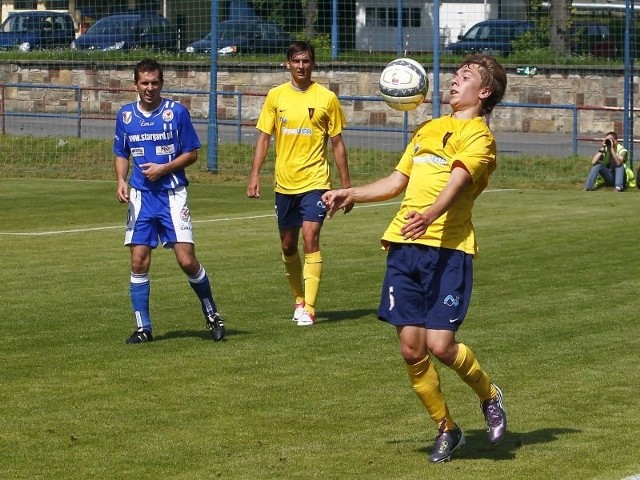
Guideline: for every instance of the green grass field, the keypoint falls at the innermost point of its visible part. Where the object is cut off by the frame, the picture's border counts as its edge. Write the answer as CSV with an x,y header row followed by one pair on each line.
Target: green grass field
x,y
553,319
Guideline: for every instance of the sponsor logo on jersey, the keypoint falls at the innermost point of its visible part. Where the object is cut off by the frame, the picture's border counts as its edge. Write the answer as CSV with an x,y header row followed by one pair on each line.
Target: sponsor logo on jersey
x,y
137,152
433,159
167,115
145,123
296,131
126,117
150,137
165,149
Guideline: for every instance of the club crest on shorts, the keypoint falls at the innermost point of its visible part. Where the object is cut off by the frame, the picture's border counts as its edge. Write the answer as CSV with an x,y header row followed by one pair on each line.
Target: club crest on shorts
x,y
167,115
452,301
184,214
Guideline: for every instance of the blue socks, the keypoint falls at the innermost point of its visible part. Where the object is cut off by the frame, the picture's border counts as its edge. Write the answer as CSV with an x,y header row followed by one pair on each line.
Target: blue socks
x,y
200,284
139,290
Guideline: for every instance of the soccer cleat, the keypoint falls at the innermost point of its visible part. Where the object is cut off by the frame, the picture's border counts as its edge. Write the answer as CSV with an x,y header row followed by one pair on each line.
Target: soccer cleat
x,y
495,416
298,310
306,319
446,442
140,336
216,325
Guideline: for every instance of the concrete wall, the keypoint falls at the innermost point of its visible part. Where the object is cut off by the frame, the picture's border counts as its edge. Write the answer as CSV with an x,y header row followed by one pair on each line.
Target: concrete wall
x,y
106,88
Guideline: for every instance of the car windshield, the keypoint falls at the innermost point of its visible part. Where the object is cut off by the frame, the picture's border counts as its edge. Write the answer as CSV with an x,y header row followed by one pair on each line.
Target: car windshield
x,y
22,23
235,31
113,26
487,32
590,30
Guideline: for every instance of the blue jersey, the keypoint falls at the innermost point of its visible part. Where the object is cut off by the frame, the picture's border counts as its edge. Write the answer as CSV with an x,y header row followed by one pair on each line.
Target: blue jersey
x,y
156,138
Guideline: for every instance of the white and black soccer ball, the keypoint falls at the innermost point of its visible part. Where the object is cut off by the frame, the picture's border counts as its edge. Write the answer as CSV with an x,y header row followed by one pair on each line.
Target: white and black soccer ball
x,y
404,84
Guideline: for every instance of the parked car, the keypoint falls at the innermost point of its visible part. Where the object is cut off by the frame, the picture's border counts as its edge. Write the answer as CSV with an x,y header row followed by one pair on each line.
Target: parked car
x,y
494,37
28,31
245,36
592,39
127,31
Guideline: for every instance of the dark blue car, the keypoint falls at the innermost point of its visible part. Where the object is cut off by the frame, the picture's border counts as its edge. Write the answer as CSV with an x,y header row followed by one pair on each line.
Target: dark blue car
x,y
128,31
27,31
493,37
245,36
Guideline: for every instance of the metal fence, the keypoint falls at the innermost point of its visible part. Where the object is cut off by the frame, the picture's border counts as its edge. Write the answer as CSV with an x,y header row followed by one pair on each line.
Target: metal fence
x,y
80,122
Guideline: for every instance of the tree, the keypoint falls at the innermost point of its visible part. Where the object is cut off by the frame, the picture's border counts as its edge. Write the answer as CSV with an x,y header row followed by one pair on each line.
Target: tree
x,y
560,26
310,8
285,13
552,27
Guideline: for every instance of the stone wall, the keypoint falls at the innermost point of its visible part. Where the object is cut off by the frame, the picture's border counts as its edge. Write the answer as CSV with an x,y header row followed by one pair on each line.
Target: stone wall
x,y
104,88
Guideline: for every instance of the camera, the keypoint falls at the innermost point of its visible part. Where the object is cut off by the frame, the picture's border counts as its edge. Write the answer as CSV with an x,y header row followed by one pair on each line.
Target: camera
x,y
608,143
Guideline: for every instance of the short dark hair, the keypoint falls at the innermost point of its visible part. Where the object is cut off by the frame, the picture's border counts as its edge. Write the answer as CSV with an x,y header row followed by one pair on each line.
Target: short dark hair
x,y
613,134
493,76
300,46
147,65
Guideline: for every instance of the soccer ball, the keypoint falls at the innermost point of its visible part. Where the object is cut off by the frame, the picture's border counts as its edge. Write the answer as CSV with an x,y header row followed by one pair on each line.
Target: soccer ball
x,y
404,84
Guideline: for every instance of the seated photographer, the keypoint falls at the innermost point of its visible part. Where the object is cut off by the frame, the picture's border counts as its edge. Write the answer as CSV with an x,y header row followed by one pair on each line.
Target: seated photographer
x,y
609,163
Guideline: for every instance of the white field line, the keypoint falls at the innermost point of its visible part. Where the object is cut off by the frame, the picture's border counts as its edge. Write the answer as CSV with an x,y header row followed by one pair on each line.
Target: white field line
x,y
213,220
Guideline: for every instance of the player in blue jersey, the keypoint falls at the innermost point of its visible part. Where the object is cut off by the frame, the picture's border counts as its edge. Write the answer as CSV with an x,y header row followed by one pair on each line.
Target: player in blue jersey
x,y
158,136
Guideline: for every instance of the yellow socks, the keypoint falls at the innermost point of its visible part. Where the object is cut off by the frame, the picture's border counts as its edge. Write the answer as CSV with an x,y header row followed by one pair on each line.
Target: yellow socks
x,y
293,271
471,373
312,273
426,383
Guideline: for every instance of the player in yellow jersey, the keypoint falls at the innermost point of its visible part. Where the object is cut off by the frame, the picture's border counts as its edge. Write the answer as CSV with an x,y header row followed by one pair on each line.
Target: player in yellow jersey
x,y
431,244
302,116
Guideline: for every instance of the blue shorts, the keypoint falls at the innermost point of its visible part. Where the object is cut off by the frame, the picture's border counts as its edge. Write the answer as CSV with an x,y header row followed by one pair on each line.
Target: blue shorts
x,y
164,215
426,286
292,210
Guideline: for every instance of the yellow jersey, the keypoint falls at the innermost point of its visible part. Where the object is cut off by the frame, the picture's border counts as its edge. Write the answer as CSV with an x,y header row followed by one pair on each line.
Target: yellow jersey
x,y
301,122
427,161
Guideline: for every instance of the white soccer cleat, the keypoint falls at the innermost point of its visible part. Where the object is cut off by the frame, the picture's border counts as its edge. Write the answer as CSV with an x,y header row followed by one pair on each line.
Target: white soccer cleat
x,y
298,310
307,319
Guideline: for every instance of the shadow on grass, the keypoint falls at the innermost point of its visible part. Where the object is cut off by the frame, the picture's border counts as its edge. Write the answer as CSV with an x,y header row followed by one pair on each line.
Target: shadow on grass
x,y
203,334
477,447
342,315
